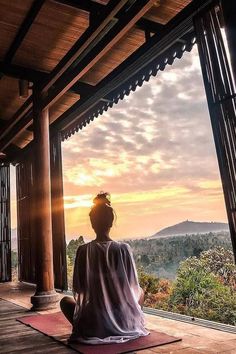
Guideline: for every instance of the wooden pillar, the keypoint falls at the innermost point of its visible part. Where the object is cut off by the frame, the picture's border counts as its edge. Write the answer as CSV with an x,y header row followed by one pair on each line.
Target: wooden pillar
x,y
45,296
25,218
229,14
58,222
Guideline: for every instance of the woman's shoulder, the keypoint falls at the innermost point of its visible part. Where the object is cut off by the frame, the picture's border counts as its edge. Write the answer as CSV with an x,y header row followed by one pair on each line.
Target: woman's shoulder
x,y
121,245
110,245
82,248
124,244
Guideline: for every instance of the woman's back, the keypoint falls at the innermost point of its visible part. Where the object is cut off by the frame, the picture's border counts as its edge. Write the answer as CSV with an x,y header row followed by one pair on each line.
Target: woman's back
x,y
107,292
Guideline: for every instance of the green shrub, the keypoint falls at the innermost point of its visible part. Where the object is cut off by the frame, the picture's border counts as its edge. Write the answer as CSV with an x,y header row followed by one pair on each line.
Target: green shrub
x,y
72,247
199,291
220,262
14,259
148,282
71,250
156,290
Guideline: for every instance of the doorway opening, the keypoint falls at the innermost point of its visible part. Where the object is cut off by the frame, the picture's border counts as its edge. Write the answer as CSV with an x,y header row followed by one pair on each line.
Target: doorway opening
x,y
154,152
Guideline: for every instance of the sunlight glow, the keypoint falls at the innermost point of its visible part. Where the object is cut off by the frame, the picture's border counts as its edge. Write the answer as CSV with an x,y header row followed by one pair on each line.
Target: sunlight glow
x,y
82,201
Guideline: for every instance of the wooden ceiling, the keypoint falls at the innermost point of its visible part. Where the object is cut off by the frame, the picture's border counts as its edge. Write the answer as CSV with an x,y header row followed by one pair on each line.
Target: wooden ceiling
x,y
37,35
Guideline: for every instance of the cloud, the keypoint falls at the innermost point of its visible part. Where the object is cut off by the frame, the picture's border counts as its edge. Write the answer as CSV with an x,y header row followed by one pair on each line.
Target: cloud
x,y
158,138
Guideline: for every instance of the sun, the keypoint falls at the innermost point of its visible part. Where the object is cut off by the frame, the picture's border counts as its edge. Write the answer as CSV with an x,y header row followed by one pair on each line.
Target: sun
x,y
83,201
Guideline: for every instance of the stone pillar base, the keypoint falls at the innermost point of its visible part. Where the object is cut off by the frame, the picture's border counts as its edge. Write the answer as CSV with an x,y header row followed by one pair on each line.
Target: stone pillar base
x,y
44,300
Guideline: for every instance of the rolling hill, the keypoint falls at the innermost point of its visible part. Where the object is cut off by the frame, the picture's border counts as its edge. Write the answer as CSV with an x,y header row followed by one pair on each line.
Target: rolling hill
x,y
191,227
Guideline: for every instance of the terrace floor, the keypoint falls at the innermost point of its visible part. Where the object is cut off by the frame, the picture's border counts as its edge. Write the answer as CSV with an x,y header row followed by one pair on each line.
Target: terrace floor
x,y
17,338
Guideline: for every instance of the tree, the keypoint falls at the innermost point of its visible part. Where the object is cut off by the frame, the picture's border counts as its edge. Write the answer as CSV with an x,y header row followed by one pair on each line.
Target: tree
x,y
201,291
220,261
156,290
71,253
14,265
14,259
73,246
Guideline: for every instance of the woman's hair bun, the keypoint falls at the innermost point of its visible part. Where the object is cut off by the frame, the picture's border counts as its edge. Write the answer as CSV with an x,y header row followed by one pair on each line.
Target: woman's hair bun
x,y
102,198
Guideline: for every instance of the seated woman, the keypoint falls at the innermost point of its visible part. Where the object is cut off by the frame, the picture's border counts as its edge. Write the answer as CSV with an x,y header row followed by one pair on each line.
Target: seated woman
x,y
108,298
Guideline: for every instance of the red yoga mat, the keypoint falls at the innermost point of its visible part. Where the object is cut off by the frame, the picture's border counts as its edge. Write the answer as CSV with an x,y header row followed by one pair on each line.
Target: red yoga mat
x,y
56,326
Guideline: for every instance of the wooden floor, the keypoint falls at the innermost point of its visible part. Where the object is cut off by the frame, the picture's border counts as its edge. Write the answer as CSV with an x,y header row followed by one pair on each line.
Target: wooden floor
x,y
18,338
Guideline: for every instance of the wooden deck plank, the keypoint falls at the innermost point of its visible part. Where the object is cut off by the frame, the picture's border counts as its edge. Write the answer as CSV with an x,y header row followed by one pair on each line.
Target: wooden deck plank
x,y
195,338
14,328
17,338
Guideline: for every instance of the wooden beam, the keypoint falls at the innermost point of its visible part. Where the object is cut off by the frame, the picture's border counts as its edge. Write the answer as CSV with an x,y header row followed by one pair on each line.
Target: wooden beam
x,y
23,30
23,73
12,151
84,41
144,56
18,121
97,51
19,127
88,5
151,26
3,123
19,153
82,89
95,8
86,90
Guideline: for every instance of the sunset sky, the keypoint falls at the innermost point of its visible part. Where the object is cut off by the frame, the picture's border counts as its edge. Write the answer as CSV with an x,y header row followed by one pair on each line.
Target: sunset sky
x,y
153,152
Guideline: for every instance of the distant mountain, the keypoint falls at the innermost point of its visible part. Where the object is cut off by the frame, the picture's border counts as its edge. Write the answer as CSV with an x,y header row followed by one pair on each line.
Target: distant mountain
x,y
191,227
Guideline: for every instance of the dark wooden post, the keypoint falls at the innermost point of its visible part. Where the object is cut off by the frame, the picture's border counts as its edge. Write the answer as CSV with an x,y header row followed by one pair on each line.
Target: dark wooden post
x,y
58,222
229,14
45,296
5,224
25,218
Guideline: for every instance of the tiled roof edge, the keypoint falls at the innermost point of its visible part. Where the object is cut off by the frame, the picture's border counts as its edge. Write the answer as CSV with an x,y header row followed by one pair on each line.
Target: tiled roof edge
x,y
159,64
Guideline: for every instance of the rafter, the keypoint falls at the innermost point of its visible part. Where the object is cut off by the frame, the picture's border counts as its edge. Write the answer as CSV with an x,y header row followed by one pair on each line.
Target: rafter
x,y
3,123
11,151
148,25
85,90
19,72
84,41
88,5
18,128
97,50
23,73
23,30
82,89
18,120
95,8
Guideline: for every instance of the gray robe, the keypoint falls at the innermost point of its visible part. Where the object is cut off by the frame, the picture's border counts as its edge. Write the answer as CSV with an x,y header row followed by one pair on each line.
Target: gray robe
x,y
106,291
